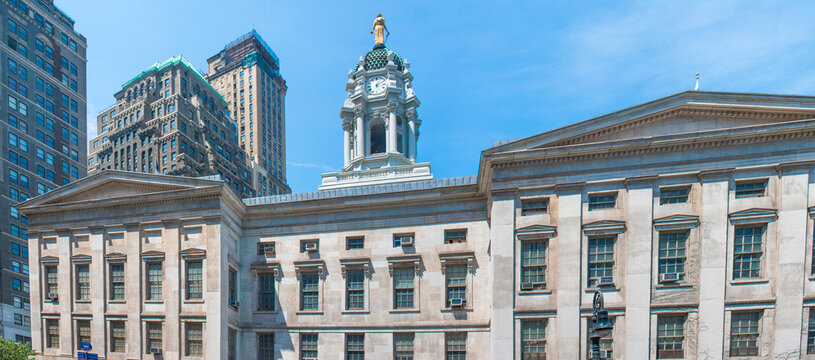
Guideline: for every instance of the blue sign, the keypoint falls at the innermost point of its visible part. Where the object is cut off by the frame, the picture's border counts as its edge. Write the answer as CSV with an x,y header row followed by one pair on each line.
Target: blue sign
x,y
81,356
85,346
92,356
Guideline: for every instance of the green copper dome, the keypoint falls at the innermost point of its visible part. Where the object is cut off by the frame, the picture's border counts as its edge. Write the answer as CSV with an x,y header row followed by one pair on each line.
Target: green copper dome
x,y
378,59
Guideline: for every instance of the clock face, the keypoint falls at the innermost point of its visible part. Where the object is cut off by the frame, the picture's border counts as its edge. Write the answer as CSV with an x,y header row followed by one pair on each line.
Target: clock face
x,y
376,85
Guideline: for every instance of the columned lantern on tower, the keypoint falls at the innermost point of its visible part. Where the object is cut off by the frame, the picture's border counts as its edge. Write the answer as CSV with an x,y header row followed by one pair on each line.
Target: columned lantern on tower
x,y
379,121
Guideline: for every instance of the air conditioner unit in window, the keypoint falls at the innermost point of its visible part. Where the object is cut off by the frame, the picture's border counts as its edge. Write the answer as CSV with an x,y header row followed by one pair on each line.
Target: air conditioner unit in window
x,y
155,351
456,303
668,278
52,296
527,286
605,354
605,281
311,247
406,241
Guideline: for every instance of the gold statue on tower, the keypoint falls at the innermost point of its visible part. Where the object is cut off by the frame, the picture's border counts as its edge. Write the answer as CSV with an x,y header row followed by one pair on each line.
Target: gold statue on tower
x,y
379,30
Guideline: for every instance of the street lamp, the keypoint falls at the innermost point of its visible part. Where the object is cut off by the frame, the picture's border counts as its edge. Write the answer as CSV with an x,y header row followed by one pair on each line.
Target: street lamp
x,y
600,325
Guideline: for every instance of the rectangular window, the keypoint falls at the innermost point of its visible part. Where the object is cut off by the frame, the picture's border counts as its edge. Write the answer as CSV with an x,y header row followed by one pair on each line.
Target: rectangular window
x,y
670,333
83,332
403,287
355,290
534,206
266,346
673,195
399,239
456,284
456,236
747,252
51,281
672,255
600,259
117,281
195,280
117,336
233,284
750,188
194,339
602,201
354,346
455,346
154,335
309,290
266,292
83,282
533,339
403,346
232,338
308,346
533,265
354,242
52,333
154,281
744,333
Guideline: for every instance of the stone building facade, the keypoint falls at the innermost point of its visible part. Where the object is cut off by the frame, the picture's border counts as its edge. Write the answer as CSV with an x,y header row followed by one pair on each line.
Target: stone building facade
x,y
247,74
692,213
42,133
169,120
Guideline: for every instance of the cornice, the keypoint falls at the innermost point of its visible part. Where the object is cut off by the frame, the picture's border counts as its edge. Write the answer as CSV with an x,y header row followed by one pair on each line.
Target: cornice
x,y
561,156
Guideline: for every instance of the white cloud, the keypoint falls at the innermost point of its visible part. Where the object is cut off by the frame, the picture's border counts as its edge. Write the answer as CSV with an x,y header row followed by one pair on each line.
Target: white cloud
x,y
310,165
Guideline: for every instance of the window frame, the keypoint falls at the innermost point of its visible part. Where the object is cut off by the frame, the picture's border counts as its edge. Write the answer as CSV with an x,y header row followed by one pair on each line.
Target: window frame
x,y
747,336
671,335
671,197
602,205
534,210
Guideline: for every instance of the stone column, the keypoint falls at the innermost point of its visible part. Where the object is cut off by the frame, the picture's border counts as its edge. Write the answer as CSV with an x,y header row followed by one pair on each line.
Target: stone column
x,y
360,146
412,134
638,237
65,291
172,288
392,133
502,250
713,262
35,285
98,269
346,142
792,229
569,239
134,289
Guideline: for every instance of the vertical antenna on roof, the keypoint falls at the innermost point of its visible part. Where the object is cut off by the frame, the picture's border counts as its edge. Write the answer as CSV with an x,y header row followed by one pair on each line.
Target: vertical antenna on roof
x,y
697,83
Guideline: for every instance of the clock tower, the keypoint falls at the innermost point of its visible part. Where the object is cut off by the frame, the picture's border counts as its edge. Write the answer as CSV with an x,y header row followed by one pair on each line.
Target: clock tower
x,y
379,121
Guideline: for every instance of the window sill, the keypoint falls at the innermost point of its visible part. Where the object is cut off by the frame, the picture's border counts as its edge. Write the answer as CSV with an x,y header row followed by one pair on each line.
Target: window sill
x,y
117,302
604,290
309,312
535,292
452,310
82,301
360,311
672,286
154,301
265,312
194,301
405,311
749,282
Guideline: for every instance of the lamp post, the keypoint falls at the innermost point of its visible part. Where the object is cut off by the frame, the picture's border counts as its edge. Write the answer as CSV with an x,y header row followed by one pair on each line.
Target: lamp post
x,y
600,325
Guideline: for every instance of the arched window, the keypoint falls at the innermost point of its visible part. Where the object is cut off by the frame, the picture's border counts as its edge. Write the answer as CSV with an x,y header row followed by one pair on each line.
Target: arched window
x,y
378,137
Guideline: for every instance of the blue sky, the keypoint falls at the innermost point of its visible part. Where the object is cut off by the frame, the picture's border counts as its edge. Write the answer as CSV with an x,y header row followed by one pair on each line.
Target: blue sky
x,y
483,70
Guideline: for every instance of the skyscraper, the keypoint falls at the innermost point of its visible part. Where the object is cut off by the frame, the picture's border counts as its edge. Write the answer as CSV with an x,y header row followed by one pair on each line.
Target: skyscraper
x,y
168,120
247,74
43,135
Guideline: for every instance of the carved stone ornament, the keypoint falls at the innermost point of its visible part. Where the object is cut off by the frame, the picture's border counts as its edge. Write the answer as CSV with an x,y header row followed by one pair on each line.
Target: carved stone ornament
x,y
358,110
347,124
393,106
411,114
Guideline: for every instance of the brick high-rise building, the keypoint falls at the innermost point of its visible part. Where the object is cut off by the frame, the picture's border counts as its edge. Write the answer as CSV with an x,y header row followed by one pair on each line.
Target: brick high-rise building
x,y
247,74
169,120
42,132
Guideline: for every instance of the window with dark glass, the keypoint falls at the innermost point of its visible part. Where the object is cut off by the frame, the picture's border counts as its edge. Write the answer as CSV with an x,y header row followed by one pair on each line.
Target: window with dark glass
x,y
533,264
744,333
602,201
456,281
673,195
355,289
308,347
83,282
354,242
455,346
355,347
670,334
195,279
194,333
600,259
455,236
266,292
154,281
750,188
534,206
672,253
309,290
83,332
747,251
117,336
403,287
403,346
533,339
266,346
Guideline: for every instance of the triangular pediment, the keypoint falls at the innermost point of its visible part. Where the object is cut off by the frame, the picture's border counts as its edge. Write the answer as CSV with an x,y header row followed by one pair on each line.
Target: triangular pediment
x,y
754,215
676,222
108,185
689,112
536,232
604,227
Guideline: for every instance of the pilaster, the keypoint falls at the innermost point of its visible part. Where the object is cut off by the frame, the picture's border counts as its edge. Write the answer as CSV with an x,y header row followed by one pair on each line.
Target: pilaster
x,y
502,250
569,240
639,240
